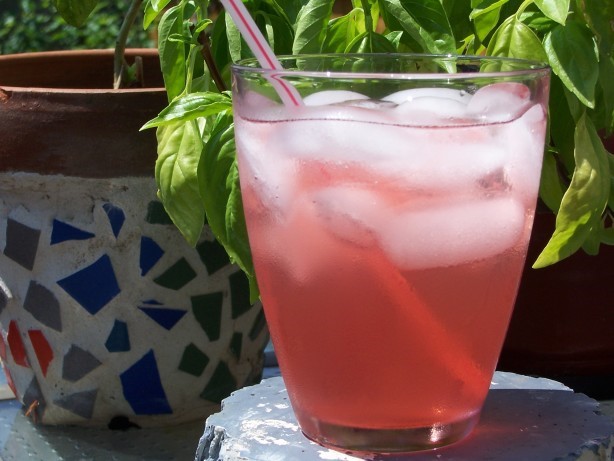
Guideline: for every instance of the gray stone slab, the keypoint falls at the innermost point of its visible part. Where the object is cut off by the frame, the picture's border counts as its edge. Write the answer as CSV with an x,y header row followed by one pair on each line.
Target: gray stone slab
x,y
523,419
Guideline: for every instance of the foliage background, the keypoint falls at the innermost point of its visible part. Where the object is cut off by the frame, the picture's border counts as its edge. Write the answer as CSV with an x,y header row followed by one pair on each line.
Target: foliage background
x,y
34,25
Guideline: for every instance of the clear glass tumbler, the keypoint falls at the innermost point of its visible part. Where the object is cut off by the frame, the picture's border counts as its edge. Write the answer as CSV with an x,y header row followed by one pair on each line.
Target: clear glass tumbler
x,y
389,214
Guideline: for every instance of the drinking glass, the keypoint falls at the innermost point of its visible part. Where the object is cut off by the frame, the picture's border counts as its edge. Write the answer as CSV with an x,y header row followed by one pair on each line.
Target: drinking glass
x,y
388,214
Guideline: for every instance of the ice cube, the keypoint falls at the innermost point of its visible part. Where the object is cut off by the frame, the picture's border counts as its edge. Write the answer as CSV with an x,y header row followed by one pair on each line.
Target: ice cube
x,y
410,95
348,212
452,234
269,173
430,106
499,102
332,97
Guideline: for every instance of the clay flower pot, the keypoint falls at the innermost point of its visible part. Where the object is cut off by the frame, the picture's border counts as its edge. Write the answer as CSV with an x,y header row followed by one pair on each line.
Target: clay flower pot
x,y
106,313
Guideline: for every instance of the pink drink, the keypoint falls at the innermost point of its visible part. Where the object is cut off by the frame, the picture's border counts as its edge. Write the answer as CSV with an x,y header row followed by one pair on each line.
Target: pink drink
x,y
388,240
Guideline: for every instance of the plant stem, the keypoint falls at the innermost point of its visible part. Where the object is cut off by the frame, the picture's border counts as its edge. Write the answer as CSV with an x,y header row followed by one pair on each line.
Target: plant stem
x,y
119,62
208,57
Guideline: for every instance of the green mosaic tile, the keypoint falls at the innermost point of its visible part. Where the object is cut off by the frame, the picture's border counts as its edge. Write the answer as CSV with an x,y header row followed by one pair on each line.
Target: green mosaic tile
x,y
207,310
221,384
239,292
213,255
176,276
156,214
236,344
258,325
193,361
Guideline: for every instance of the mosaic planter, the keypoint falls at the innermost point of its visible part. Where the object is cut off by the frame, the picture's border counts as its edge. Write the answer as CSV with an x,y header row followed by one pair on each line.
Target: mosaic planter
x,y
107,315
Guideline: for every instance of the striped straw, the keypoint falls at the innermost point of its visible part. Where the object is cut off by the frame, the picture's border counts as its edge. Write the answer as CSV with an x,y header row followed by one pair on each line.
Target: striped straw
x,y
261,49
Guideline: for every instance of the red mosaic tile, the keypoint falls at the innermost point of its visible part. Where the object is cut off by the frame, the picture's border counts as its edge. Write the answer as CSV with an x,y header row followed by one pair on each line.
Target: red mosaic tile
x,y
18,351
43,350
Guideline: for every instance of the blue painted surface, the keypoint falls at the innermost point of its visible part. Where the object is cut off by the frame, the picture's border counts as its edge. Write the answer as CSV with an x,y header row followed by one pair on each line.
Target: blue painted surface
x,y
93,286
63,232
143,389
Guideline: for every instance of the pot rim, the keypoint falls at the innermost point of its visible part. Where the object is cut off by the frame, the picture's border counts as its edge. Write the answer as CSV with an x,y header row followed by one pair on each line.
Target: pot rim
x,y
74,55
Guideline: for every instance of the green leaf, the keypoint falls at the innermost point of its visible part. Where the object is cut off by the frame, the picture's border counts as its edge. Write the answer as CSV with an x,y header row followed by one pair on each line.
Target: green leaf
x,y
371,42
310,27
514,39
571,52
172,53
556,10
551,188
191,106
485,17
343,30
219,187
75,12
425,21
152,10
584,201
598,15
179,148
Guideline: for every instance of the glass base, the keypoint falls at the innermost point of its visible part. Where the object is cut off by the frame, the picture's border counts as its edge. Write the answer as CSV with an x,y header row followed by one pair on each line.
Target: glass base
x,y
388,441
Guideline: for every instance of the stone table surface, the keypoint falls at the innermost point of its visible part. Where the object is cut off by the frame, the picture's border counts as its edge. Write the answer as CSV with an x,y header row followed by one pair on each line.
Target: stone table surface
x,y
524,418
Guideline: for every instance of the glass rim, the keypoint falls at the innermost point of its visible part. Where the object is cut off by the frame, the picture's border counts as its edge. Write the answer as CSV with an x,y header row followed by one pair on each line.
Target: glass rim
x,y
525,67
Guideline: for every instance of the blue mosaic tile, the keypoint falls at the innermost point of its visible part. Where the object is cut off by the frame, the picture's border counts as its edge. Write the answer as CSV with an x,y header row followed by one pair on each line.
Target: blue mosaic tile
x,y
156,214
150,254
236,345
79,403
258,325
118,340
4,299
164,316
78,363
21,243
116,217
43,305
143,389
93,286
62,232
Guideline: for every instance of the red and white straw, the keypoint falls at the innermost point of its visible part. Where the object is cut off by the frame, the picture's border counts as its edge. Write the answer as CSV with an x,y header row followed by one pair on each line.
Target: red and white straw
x,y
261,49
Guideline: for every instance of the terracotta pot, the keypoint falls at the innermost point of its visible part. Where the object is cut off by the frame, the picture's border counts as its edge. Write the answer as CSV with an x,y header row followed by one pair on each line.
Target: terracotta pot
x,y
107,315
562,323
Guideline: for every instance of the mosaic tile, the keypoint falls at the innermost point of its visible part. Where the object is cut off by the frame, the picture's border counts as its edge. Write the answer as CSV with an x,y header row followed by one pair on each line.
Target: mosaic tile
x,y
193,361
93,286
4,296
42,349
33,400
118,340
116,216
16,346
2,349
213,255
236,344
239,292
78,363
21,243
258,326
207,310
164,316
80,403
63,232
143,389
156,214
221,384
150,254
176,276
43,305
